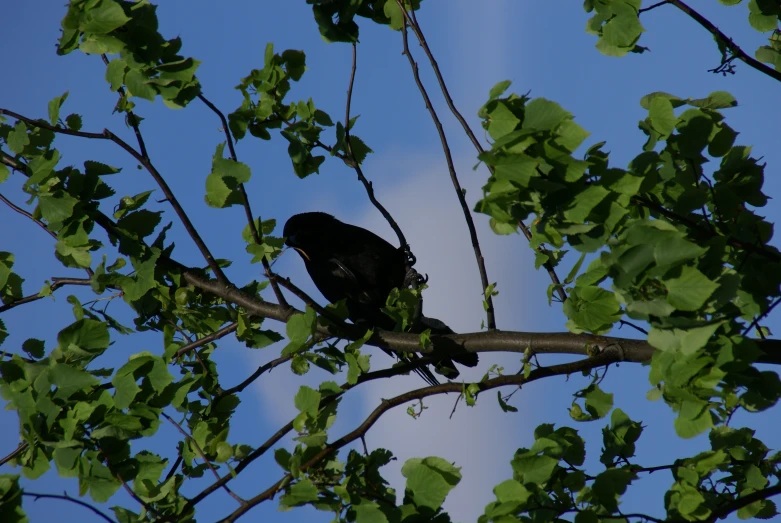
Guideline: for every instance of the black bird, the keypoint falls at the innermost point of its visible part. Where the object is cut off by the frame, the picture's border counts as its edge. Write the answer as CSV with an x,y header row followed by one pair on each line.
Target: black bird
x,y
349,263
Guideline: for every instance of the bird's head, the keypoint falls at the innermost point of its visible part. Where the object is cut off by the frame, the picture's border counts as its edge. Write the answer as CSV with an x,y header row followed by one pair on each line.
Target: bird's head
x,y
306,232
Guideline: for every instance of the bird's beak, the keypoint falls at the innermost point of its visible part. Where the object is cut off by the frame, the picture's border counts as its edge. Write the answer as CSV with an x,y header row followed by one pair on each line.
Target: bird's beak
x,y
302,253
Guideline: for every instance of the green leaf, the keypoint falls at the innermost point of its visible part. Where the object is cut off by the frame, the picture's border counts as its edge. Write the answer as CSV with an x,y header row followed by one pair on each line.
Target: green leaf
x,y
103,18
54,107
222,184
498,89
429,480
690,290
69,380
544,115
307,401
662,116
501,121
18,139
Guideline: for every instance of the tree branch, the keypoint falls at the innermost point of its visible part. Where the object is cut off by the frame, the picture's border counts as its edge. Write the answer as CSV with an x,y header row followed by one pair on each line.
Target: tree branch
x,y
39,223
740,502
736,51
386,405
18,450
206,339
350,158
270,442
57,283
203,456
144,161
257,237
415,26
490,317
66,497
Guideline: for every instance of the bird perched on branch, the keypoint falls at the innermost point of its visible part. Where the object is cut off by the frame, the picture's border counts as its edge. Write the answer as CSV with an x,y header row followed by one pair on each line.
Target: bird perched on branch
x,y
349,263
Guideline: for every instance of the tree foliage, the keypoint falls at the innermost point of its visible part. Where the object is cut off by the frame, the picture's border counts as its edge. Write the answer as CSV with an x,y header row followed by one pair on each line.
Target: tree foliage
x,y
674,241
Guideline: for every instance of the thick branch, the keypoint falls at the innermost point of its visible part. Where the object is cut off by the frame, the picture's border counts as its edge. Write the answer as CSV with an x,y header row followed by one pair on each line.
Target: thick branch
x,y
740,502
490,317
144,161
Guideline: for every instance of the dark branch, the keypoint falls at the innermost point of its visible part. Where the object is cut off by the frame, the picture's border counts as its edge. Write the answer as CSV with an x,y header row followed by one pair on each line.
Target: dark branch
x,y
144,161
736,51
206,339
66,497
203,456
386,405
269,443
256,235
739,503
490,317
56,284
18,450
350,158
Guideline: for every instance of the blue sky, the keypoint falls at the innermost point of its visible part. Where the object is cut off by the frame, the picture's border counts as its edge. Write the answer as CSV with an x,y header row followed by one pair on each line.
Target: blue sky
x,y
540,45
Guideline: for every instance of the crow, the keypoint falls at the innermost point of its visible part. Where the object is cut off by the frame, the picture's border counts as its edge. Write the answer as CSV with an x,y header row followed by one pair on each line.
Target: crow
x,y
349,263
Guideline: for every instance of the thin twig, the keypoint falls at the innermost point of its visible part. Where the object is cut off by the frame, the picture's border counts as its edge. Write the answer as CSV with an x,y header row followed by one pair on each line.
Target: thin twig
x,y
21,211
761,317
255,375
66,497
490,317
18,450
56,284
144,161
184,349
205,459
650,7
131,117
736,51
350,158
37,222
257,235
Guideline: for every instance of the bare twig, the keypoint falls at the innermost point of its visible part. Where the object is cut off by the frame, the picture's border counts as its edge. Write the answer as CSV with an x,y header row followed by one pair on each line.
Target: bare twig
x,y
736,51
257,236
350,158
37,222
184,349
66,497
21,211
490,317
56,284
203,456
18,450
255,375
654,6
761,317
144,161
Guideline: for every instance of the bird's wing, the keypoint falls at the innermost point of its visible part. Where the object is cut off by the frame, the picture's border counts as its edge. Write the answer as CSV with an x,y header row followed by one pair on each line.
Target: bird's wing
x,y
352,286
